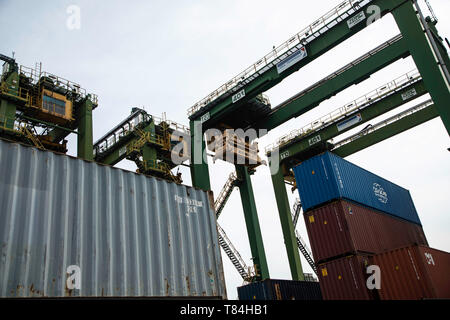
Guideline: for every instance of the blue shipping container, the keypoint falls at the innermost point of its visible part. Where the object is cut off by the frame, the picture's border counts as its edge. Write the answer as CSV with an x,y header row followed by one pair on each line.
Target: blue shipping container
x,y
271,289
328,177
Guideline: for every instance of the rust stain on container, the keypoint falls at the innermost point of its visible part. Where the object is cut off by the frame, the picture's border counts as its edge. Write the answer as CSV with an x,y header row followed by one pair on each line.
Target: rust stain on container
x,y
188,284
342,227
412,273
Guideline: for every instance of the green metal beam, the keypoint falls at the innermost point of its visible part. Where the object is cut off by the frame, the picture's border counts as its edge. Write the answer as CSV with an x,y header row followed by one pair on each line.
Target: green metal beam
x,y
287,226
252,223
387,131
330,88
199,163
85,136
48,124
118,151
317,47
7,114
440,43
386,104
424,57
149,153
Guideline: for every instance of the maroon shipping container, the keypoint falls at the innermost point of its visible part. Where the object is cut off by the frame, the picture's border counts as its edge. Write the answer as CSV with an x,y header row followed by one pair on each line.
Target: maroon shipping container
x,y
342,228
345,279
412,273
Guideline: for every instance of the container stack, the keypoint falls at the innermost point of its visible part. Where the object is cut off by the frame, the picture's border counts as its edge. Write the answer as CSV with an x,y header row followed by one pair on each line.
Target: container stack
x,y
352,215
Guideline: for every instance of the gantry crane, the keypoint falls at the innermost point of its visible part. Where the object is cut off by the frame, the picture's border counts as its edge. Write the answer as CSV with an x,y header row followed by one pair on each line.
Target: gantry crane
x,y
240,103
41,109
148,141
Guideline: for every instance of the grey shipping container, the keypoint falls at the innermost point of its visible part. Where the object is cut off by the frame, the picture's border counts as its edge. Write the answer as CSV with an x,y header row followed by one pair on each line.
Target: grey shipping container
x,y
271,289
69,227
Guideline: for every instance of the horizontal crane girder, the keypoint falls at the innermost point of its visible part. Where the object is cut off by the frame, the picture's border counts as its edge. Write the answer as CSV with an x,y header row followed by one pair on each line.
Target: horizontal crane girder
x,y
355,73
385,131
316,45
353,119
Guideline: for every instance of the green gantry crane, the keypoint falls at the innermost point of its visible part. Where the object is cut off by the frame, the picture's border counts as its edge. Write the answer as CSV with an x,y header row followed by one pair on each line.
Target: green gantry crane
x,y
148,141
243,96
41,109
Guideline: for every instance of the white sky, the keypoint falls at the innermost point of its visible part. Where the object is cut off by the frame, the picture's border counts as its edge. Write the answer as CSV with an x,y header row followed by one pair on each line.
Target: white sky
x,y
168,55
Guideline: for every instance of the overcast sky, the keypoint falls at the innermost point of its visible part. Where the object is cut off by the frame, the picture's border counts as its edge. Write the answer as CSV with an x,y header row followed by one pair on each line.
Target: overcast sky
x,y
167,55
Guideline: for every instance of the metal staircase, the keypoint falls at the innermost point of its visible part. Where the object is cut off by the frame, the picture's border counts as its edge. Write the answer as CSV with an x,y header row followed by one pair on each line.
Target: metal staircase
x,y
30,136
300,242
246,272
297,210
225,193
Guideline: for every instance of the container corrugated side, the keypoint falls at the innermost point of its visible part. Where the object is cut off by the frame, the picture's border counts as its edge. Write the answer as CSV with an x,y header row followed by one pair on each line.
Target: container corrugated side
x,y
328,177
413,273
345,279
129,234
343,227
272,289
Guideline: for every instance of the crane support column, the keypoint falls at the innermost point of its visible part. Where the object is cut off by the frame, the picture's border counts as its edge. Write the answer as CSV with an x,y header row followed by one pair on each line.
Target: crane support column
x,y
7,114
290,240
149,153
425,59
252,223
199,162
85,137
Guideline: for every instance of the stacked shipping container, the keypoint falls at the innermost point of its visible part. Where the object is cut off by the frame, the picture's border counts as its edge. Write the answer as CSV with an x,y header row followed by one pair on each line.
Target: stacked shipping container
x,y
343,227
415,272
344,279
351,214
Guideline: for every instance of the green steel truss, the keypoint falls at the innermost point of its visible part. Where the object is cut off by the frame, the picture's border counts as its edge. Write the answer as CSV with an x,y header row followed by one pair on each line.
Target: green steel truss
x,y
220,108
386,129
143,139
296,149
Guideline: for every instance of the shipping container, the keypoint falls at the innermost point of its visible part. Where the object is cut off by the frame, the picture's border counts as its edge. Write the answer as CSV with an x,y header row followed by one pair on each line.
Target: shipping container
x,y
328,177
342,227
413,273
69,227
271,289
345,279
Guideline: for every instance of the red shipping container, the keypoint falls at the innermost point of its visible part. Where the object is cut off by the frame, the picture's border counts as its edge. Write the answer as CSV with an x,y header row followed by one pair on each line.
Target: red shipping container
x,y
342,228
413,273
345,279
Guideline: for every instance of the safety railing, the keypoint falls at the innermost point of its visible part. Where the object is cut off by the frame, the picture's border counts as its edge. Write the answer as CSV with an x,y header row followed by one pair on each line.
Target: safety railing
x,y
383,123
300,39
348,108
37,75
225,193
108,141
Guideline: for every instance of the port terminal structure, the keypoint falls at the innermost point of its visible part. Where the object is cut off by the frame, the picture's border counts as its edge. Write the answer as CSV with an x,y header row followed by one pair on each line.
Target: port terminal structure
x,y
243,95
